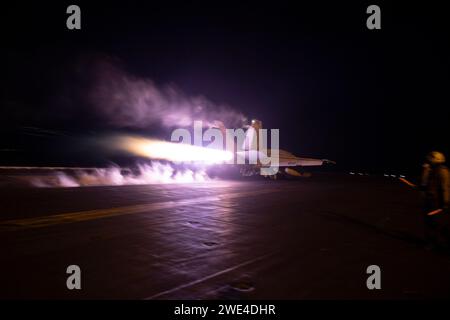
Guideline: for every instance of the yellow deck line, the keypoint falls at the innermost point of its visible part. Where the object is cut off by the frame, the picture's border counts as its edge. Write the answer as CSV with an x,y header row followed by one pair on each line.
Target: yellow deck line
x,y
111,212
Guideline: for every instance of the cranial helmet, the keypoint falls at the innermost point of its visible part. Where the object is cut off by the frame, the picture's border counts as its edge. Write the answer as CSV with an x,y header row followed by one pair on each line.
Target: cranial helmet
x,y
436,157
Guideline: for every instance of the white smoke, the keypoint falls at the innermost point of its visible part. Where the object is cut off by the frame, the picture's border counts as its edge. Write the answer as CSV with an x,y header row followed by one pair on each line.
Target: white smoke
x,y
155,173
128,101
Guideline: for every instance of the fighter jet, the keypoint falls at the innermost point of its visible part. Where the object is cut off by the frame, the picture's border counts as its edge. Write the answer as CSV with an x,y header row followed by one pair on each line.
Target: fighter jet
x,y
288,164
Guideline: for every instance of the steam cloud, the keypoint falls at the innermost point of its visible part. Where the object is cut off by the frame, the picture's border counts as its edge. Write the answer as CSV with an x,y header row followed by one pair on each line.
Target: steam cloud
x,y
155,173
128,101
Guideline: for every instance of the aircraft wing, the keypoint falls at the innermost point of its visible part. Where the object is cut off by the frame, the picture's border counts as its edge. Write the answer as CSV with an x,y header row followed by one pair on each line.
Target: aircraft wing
x,y
305,162
287,159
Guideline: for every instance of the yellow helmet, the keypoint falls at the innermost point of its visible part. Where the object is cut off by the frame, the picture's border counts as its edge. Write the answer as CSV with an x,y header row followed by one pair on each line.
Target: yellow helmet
x,y
436,157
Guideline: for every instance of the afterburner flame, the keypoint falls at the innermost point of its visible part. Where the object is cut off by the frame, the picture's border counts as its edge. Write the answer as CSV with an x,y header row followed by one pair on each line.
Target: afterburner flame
x,y
175,152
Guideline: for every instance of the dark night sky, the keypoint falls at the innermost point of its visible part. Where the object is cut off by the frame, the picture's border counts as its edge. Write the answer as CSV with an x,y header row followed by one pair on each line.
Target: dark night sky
x,y
372,100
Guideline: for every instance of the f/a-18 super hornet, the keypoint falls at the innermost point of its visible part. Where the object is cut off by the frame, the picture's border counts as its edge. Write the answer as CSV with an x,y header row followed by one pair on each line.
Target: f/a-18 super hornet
x,y
255,158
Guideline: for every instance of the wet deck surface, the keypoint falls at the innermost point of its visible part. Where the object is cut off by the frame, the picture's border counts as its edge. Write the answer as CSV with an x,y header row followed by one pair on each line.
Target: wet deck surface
x,y
307,239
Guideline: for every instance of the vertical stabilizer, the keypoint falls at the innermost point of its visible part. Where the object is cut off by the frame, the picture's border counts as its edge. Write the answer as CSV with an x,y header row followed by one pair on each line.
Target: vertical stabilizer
x,y
251,136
